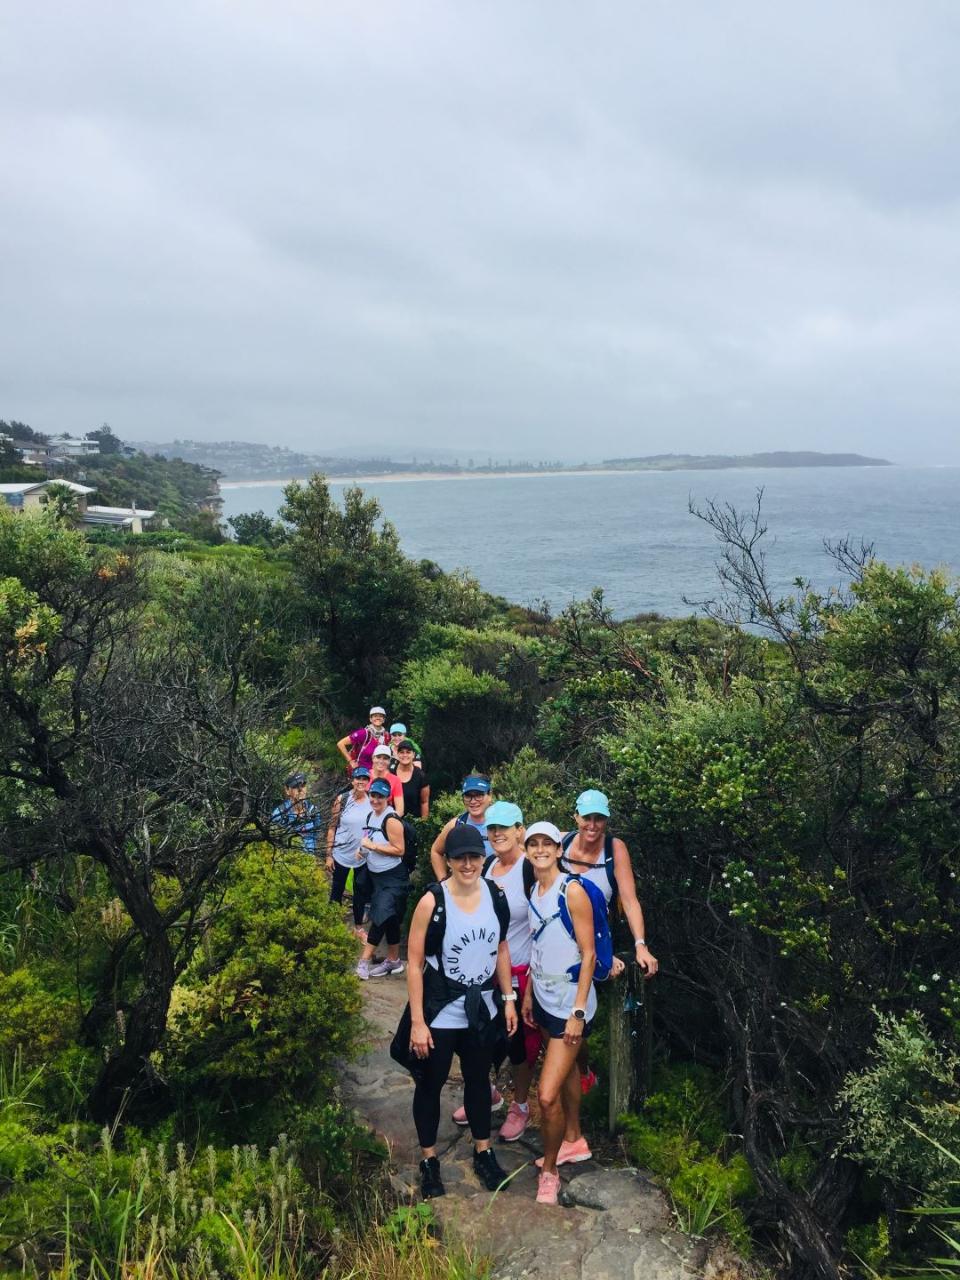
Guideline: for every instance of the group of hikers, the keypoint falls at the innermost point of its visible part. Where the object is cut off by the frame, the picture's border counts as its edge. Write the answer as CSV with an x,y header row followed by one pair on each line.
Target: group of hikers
x,y
503,949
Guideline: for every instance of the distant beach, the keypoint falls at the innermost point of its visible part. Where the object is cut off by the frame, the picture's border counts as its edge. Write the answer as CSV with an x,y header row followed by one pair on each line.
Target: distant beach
x,y
395,477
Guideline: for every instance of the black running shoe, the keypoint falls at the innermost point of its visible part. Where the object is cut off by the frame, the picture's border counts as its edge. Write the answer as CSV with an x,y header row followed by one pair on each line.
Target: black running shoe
x,y
431,1184
488,1169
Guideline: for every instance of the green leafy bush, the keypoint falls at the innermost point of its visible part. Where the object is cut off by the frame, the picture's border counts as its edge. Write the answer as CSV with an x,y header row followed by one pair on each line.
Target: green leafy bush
x,y
33,1021
681,1135
903,1118
270,1001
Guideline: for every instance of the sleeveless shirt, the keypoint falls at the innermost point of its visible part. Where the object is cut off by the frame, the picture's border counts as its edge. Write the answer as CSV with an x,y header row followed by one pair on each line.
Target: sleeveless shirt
x,y
346,841
518,934
552,954
471,940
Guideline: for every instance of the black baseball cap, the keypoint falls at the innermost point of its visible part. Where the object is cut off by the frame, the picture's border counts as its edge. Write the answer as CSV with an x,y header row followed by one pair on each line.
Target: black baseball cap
x,y
462,840
295,780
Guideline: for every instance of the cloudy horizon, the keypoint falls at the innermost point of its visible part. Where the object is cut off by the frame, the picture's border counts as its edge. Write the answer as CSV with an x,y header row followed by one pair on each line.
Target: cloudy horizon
x,y
528,230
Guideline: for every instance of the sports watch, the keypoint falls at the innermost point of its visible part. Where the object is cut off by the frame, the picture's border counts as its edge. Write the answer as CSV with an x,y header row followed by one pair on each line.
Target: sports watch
x,y
579,1014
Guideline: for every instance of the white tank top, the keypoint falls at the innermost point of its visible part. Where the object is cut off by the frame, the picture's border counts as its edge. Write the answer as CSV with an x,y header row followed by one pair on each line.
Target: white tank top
x,y
373,827
598,873
552,954
518,934
346,841
471,940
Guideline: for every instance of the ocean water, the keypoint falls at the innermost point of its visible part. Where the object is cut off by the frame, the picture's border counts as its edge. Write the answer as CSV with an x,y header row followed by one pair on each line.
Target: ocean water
x,y
555,537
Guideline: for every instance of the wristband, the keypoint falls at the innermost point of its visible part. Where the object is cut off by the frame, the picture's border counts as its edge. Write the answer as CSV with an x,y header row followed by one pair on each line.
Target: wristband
x,y
639,942
511,996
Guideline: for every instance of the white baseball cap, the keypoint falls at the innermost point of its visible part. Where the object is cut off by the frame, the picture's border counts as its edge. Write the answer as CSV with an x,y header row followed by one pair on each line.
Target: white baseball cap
x,y
383,751
376,711
542,829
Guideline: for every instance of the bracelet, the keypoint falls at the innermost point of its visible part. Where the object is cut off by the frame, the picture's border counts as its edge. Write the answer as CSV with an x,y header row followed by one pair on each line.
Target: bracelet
x,y
639,942
512,996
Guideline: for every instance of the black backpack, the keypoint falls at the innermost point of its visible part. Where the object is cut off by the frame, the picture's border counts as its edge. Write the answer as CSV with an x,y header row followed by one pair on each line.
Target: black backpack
x,y
529,875
438,921
410,839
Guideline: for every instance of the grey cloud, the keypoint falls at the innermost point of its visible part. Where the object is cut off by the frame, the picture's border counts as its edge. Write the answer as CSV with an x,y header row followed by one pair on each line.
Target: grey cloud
x,y
576,232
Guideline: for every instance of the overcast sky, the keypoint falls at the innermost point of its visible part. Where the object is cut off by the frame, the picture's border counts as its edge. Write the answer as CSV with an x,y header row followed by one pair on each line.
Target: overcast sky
x,y
537,229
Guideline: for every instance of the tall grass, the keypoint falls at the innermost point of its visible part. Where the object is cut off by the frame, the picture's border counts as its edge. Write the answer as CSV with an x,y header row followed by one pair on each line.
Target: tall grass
x,y
948,1229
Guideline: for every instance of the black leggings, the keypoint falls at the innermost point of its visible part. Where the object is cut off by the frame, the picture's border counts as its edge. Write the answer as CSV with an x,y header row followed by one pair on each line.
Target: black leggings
x,y
475,1065
515,1048
360,893
390,929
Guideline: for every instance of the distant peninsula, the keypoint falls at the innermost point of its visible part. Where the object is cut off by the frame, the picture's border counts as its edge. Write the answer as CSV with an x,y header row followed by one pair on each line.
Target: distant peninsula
x,y
239,461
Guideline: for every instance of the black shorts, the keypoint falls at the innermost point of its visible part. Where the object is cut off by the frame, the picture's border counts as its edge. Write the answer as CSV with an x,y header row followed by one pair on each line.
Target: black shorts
x,y
555,1027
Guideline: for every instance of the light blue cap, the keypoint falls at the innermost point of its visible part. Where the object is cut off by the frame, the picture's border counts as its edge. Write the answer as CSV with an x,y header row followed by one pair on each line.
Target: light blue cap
x,y
504,814
398,728
593,802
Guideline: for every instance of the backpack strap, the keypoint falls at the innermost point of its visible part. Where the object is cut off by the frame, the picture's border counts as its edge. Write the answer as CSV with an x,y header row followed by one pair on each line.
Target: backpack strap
x,y
461,818
528,873
436,927
500,905
544,920
607,862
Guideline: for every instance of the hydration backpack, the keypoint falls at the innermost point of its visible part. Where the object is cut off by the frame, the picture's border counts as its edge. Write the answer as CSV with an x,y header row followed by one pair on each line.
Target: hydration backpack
x,y
438,921
607,862
602,941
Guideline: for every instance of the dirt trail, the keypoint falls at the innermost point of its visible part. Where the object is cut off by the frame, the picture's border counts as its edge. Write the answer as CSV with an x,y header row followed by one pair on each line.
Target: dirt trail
x,y
614,1224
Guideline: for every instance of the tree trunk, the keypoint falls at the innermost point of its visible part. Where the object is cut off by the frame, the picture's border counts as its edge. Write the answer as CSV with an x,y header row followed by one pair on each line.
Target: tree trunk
x,y
127,1072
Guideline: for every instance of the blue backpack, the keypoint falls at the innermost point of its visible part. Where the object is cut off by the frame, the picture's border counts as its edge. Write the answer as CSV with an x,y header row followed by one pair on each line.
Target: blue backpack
x,y
602,941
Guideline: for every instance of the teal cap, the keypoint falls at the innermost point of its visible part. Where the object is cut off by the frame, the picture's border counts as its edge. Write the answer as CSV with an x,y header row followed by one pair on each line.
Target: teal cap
x,y
504,814
593,802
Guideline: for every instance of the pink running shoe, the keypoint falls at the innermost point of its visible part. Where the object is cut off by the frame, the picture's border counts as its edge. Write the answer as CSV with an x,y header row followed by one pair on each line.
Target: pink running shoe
x,y
548,1188
496,1102
515,1123
570,1153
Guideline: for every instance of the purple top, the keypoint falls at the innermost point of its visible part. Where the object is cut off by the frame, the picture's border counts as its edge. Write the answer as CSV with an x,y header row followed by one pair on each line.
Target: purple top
x,y
363,743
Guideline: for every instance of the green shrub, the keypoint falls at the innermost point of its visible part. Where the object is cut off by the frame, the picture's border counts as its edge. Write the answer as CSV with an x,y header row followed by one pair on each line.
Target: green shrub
x,y
910,1086
681,1135
538,786
32,1019
204,1210
270,1002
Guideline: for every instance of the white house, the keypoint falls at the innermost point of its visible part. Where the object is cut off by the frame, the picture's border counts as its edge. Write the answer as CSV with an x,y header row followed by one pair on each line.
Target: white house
x,y
73,447
27,495
129,519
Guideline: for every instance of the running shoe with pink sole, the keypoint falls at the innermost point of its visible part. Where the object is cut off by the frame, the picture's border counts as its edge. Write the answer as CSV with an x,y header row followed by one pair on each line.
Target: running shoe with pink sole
x,y
570,1153
548,1188
514,1124
496,1102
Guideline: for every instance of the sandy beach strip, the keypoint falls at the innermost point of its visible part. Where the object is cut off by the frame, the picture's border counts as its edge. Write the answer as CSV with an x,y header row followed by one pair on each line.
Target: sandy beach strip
x,y
403,477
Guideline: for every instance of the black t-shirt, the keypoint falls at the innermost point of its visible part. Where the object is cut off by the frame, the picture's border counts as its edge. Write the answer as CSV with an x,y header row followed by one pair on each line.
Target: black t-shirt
x,y
411,790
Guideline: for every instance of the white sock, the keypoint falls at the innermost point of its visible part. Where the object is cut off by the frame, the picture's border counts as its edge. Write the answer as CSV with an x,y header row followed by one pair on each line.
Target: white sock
x,y
524,1107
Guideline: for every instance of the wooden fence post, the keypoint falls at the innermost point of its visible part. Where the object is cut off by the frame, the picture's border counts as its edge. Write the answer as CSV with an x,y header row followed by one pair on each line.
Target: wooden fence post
x,y
631,1044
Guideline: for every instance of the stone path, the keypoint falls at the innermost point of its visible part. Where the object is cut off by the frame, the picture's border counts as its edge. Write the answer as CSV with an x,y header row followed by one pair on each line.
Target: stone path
x,y
614,1224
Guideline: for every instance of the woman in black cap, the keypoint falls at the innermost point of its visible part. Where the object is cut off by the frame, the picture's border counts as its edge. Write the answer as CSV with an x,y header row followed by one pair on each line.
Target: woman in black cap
x,y
457,954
